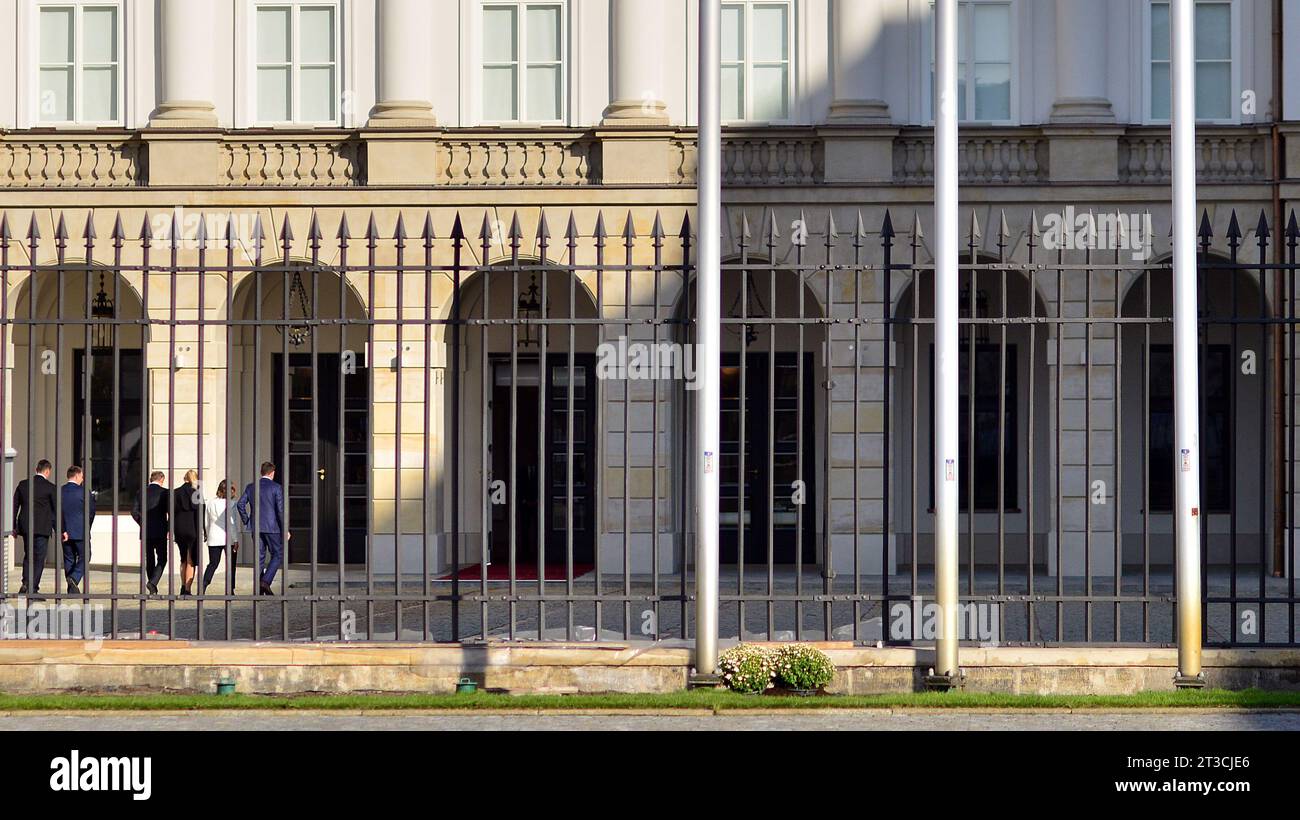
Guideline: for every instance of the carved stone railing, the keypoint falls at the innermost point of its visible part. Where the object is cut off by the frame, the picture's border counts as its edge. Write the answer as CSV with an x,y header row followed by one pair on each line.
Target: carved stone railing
x,y
71,161
537,157
290,161
1224,154
1010,156
772,157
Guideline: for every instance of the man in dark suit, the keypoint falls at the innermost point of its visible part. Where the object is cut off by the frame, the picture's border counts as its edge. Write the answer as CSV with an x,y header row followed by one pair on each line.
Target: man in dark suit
x,y
34,519
153,518
267,500
76,528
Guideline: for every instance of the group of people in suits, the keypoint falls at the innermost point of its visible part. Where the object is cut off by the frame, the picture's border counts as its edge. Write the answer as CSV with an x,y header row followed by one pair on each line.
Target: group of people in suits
x,y
34,507
183,514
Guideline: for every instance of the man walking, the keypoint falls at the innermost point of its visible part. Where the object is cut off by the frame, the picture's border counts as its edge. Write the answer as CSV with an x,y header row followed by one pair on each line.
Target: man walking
x,y
76,528
34,519
153,518
267,500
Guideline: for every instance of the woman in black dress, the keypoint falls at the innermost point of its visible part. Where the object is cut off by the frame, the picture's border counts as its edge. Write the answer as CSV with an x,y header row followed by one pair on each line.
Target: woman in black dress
x,y
187,525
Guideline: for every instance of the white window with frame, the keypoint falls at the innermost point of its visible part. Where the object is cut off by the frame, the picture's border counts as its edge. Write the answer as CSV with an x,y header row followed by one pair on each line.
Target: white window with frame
x,y
1215,84
524,68
296,47
757,44
79,63
985,62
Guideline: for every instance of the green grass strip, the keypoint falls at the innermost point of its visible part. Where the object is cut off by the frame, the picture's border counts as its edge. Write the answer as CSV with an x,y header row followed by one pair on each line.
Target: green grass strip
x,y
700,699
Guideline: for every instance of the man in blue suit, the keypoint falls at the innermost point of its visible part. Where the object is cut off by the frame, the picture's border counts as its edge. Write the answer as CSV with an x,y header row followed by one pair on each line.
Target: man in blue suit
x,y
76,528
267,501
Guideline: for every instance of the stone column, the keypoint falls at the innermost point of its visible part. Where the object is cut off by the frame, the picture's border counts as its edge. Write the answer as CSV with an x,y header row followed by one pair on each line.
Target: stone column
x,y
1081,88
405,65
637,51
1083,132
182,135
188,70
858,62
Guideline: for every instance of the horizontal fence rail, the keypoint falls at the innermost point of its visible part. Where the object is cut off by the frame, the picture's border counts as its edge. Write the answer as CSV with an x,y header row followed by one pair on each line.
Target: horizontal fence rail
x,y
475,430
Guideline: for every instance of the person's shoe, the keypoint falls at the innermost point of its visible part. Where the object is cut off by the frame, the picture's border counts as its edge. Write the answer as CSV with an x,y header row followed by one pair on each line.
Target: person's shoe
x,y
266,590
185,592
152,588
22,590
73,589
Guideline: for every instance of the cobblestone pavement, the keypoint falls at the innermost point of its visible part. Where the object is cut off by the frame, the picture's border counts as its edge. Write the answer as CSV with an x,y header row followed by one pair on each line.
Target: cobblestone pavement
x,y
862,720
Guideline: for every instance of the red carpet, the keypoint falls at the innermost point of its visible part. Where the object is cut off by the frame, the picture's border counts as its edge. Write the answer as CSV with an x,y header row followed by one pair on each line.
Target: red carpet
x,y
523,572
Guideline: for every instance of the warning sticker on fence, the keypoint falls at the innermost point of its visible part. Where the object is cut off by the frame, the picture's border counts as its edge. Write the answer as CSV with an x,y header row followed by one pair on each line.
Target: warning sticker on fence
x,y
708,463
1187,461
950,470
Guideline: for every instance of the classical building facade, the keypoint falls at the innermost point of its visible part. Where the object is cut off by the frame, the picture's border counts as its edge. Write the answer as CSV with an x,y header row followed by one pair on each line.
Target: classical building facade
x,y
476,203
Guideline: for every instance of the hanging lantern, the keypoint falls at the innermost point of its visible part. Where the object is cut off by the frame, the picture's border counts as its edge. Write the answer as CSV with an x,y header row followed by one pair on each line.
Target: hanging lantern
x,y
530,308
103,312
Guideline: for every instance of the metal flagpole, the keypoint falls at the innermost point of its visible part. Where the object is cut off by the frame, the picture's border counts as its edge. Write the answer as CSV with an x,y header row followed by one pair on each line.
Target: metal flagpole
x,y
707,337
1186,382
946,672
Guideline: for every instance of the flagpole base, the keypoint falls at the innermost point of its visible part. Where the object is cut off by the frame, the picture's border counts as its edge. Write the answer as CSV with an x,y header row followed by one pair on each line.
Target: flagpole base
x,y
944,683
703,681
1182,681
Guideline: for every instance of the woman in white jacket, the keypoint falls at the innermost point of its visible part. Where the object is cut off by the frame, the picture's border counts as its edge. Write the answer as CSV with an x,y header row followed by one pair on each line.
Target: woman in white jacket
x,y
218,536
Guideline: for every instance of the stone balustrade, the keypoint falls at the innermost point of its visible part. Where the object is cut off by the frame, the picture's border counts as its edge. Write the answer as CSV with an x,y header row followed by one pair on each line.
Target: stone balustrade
x,y
71,161
490,157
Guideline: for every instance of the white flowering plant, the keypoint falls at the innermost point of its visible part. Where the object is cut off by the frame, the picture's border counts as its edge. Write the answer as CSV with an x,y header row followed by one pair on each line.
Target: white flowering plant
x,y
747,669
802,667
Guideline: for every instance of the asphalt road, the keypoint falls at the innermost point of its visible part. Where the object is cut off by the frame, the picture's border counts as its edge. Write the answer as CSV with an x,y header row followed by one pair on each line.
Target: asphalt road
x,y
857,720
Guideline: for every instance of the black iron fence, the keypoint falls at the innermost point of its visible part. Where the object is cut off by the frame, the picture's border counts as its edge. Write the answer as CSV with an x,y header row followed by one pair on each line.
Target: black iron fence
x,y
478,430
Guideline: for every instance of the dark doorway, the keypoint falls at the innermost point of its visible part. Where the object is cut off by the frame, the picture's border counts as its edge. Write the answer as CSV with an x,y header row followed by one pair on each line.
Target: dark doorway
x,y
341,428
772,447
530,514
128,398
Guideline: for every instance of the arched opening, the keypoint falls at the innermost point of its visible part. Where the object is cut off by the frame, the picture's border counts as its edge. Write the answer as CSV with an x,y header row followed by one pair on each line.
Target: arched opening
x,y
304,390
526,418
1234,365
1003,418
67,404
772,461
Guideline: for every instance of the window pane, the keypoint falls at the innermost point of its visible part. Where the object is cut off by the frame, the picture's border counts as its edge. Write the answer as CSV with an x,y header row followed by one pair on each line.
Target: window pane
x,y
733,93
273,35
1214,91
99,94
770,93
56,35
56,94
499,94
498,34
733,34
1213,31
543,94
992,92
1160,91
316,94
316,35
769,33
992,33
99,35
273,94
543,34
1160,31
